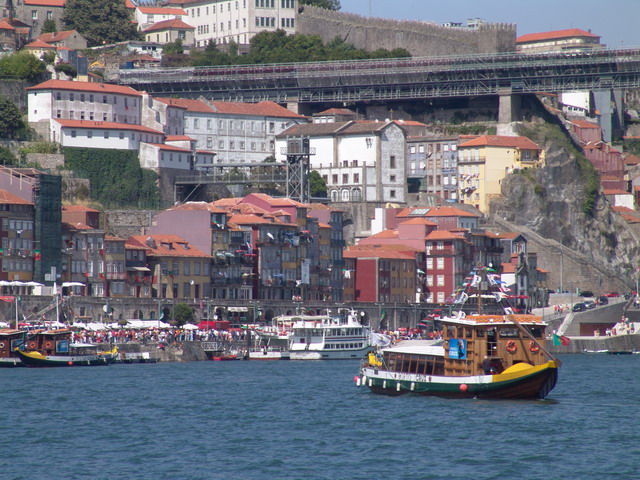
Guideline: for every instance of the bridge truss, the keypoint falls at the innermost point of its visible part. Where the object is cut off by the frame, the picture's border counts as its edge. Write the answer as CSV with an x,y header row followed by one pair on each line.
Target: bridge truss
x,y
397,79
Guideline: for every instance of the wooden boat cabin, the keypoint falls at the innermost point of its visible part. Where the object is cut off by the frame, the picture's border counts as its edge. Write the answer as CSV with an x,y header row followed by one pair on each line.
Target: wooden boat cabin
x,y
474,345
10,339
49,342
489,344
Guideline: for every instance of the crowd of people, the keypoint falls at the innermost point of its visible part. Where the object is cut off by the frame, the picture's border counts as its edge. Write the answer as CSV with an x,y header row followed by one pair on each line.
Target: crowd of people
x,y
161,336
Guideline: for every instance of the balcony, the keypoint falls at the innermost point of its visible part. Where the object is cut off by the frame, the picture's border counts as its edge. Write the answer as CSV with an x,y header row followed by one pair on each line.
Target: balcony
x,y
115,275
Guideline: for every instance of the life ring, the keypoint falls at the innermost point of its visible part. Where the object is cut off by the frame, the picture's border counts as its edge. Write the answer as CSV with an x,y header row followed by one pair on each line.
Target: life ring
x,y
1,345
534,347
512,347
48,345
32,345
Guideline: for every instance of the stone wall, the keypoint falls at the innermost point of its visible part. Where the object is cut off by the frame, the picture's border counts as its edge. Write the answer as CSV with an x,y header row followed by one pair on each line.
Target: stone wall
x,y
15,91
125,223
419,38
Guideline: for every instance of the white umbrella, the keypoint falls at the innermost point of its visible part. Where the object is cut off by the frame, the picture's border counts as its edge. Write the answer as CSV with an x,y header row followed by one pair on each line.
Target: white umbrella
x,y
188,326
34,284
72,284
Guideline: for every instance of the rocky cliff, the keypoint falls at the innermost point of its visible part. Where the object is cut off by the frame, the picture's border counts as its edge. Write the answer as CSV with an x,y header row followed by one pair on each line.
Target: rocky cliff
x,y
562,201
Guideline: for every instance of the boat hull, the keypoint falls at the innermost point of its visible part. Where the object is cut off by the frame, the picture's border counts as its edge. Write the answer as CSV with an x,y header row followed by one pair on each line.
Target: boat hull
x,y
531,383
10,362
328,354
268,355
35,359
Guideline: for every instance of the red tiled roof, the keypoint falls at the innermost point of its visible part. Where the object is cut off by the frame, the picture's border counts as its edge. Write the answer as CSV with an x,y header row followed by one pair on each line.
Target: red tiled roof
x,y
129,4
170,148
56,36
522,143
161,11
85,87
178,138
336,111
630,218
98,125
9,198
443,235
385,234
6,26
556,34
198,206
583,123
614,191
45,3
621,209
419,221
378,253
39,44
167,246
266,108
168,25
78,209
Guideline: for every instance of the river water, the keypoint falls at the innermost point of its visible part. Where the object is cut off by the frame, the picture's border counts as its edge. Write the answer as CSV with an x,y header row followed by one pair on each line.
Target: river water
x,y
308,420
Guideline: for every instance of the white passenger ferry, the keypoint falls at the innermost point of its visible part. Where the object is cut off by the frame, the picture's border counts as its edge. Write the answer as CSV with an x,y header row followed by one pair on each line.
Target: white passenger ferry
x,y
327,337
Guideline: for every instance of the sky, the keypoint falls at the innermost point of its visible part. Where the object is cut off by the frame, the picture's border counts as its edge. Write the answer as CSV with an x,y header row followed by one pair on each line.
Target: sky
x,y
616,21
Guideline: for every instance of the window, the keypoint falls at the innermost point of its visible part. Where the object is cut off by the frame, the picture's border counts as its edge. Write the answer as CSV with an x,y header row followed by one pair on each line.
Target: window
x,y
392,161
392,193
345,178
440,280
34,14
440,263
73,134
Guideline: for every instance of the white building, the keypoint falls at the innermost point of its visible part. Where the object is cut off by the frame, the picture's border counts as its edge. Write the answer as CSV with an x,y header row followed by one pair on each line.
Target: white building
x,y
359,160
98,134
223,21
148,15
237,132
63,99
162,114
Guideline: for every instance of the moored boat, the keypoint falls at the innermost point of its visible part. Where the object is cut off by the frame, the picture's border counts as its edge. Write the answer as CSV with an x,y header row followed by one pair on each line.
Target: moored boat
x,y
482,355
53,348
10,339
326,337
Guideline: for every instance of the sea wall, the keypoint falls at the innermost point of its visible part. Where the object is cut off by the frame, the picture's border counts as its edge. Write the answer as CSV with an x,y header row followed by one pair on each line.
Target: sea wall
x,y
419,38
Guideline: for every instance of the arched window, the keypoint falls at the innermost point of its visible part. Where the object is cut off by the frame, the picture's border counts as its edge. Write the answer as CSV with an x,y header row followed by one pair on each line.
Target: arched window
x,y
356,195
345,195
334,195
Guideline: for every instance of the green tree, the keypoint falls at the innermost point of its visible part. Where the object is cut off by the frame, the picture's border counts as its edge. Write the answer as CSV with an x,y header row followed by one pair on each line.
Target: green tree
x,y
7,157
100,21
49,26
317,185
209,56
22,65
182,313
328,4
10,118
173,48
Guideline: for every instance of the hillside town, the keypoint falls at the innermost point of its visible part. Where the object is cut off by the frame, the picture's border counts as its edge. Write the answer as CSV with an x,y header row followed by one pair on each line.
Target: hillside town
x,y
407,203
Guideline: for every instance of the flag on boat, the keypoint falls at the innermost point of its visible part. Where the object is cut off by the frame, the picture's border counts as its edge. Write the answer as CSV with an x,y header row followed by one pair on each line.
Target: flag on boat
x,y
561,340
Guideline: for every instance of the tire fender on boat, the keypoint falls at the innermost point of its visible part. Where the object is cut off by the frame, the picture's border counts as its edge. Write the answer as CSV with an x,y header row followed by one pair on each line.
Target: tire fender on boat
x,y
48,345
534,347
512,347
32,345
1,345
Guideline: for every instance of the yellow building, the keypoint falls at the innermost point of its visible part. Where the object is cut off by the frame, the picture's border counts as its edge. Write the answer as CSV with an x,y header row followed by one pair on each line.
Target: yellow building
x,y
179,269
483,162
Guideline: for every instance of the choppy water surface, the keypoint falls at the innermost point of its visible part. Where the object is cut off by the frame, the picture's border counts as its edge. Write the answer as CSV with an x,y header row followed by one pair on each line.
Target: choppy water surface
x,y
308,420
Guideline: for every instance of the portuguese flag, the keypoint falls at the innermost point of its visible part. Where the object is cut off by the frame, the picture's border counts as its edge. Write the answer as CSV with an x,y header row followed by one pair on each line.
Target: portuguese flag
x,y
561,340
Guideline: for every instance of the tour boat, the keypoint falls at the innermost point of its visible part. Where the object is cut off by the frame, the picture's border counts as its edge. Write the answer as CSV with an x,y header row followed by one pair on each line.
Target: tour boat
x,y
10,339
327,337
53,348
491,353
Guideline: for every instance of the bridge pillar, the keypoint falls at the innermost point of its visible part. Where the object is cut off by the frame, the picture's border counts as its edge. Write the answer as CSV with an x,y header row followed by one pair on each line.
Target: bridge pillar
x,y
602,101
296,107
508,106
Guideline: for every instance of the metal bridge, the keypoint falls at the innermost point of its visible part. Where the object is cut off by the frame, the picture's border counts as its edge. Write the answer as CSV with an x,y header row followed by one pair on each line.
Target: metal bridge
x,y
397,79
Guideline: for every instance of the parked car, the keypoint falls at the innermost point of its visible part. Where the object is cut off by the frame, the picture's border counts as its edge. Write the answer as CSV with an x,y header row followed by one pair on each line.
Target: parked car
x,y
602,300
586,293
612,294
590,304
579,307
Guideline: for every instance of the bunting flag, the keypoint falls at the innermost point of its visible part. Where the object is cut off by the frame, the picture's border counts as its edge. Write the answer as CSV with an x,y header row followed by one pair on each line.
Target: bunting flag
x,y
7,298
561,340
383,315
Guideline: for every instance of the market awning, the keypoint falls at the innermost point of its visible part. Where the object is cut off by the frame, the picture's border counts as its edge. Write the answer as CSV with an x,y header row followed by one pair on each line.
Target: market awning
x,y
139,269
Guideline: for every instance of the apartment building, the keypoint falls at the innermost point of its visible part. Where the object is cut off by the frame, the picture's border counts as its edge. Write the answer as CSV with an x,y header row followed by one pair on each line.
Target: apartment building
x,y
225,21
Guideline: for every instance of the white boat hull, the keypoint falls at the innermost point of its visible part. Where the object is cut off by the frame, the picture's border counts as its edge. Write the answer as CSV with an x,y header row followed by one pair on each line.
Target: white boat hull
x,y
329,354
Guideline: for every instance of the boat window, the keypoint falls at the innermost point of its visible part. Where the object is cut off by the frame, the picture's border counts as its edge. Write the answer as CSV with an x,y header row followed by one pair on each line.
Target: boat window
x,y
509,333
468,332
536,332
480,333
451,331
460,332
